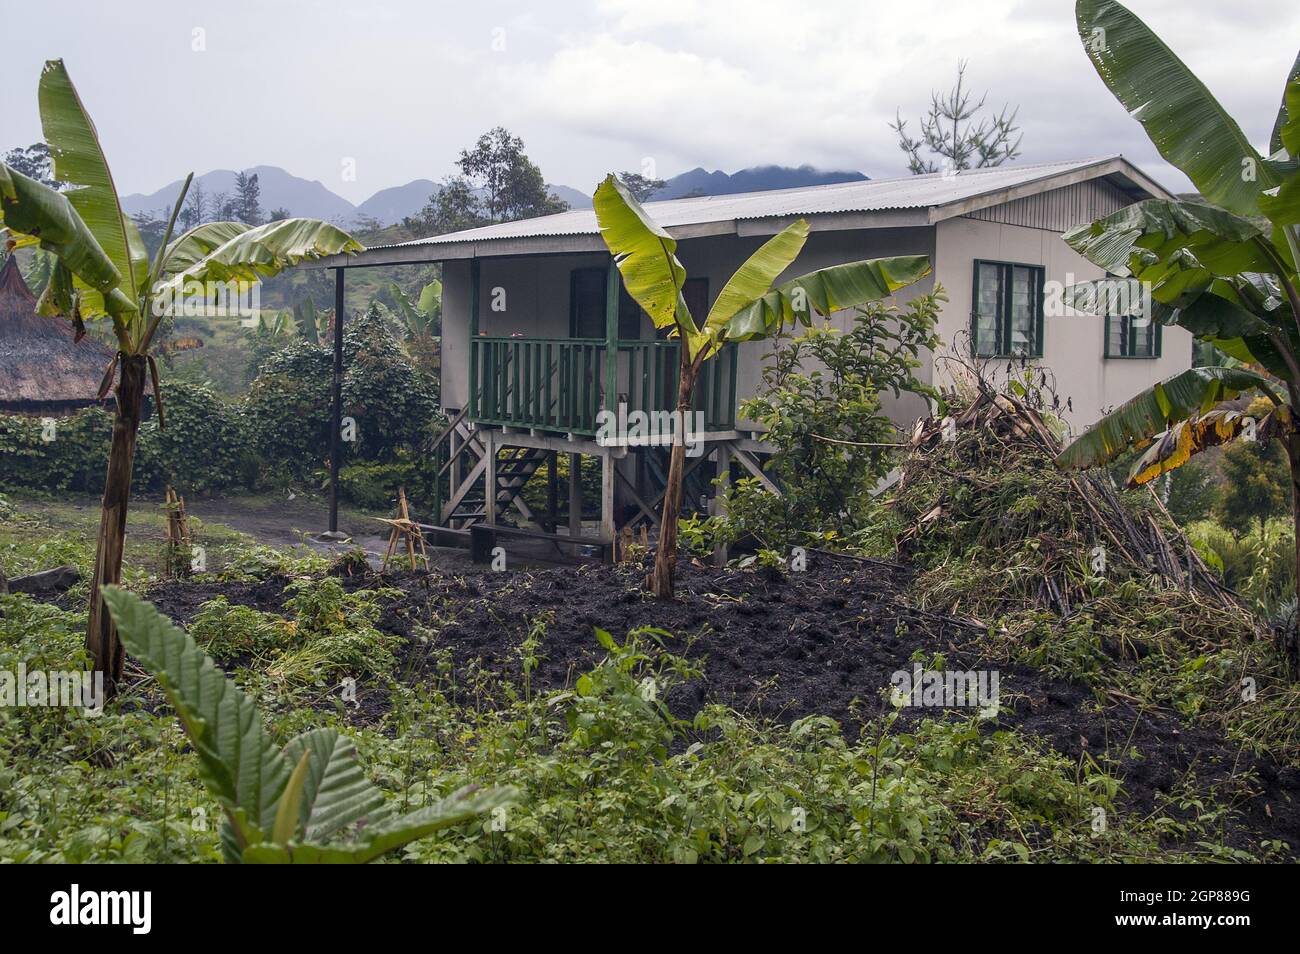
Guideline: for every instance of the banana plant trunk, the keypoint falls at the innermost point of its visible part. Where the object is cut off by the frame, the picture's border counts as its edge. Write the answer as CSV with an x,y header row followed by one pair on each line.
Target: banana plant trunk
x,y
102,641
661,582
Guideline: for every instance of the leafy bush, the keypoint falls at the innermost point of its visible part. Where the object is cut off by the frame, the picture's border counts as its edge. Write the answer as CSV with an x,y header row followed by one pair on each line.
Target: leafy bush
x,y
822,405
286,414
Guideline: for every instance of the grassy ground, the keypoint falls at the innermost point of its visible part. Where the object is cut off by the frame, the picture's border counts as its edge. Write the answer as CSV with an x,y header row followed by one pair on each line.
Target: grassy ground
x,y
710,744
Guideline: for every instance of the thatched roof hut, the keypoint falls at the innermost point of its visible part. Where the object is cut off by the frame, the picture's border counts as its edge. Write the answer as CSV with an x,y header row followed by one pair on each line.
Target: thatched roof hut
x,y
43,369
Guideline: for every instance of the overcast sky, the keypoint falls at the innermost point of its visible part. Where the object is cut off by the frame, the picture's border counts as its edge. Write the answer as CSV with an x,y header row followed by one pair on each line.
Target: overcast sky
x,y
399,86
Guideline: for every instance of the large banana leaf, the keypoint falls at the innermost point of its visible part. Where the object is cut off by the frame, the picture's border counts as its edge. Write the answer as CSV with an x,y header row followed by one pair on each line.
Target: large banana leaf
x,y
37,214
265,250
1193,391
1176,446
824,291
1179,114
754,278
237,760
646,257
198,242
415,322
1197,235
78,160
430,302
1286,128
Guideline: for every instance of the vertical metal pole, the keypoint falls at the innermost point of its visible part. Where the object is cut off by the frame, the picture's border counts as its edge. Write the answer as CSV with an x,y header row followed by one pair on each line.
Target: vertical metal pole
x,y
336,396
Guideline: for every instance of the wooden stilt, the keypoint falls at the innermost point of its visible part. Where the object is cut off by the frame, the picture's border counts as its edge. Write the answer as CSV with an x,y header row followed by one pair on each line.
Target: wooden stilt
x,y
575,495
607,528
718,502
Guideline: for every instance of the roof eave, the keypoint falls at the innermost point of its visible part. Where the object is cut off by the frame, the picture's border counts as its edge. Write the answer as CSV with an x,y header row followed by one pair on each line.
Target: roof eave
x,y
1136,180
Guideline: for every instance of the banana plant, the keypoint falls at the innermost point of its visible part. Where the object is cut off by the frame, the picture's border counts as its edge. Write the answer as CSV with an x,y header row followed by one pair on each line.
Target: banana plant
x,y
1222,266
103,272
748,307
420,318
307,802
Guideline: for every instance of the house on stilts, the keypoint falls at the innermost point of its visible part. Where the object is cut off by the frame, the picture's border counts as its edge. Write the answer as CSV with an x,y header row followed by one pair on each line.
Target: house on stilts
x,y
539,335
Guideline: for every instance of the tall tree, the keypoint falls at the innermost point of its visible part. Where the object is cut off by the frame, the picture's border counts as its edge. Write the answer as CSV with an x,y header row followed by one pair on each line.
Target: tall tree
x,y
197,207
640,187
954,138
33,162
104,273
511,185
498,183
748,307
248,199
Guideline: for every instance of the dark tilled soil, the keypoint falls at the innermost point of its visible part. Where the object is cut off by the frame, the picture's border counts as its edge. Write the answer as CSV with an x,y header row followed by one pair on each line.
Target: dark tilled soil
x,y
825,641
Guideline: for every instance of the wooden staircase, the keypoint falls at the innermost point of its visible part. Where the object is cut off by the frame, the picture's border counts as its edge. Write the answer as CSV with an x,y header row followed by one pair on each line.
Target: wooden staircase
x,y
461,451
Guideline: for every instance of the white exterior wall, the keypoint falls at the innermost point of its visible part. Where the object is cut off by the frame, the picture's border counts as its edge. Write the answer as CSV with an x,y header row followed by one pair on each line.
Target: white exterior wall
x,y
1073,345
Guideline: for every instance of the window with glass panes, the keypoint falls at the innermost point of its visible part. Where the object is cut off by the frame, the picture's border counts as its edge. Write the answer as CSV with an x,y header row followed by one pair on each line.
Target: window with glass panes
x,y
1132,336
1007,316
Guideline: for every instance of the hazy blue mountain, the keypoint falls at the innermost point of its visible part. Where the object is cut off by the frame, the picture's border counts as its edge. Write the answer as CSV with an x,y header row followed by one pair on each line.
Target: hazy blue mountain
x,y
308,197
280,189
396,203
575,198
756,179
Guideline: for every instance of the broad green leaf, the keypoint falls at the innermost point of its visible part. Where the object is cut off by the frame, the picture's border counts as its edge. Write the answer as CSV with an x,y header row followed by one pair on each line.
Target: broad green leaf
x,y
198,242
376,840
646,257
33,210
308,324
754,278
1282,206
430,303
286,813
1193,391
78,160
1148,233
1184,121
266,250
336,793
237,759
825,291
1286,128
415,321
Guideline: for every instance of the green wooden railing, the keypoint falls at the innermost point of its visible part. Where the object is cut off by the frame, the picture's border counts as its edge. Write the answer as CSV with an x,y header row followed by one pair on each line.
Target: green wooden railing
x,y
558,384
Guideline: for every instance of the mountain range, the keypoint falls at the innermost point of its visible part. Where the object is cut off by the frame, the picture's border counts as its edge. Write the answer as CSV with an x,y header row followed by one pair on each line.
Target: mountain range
x,y
310,197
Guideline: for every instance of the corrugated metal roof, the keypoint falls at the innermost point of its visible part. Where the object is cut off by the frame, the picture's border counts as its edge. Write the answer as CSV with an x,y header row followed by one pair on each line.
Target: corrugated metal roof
x,y
871,195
